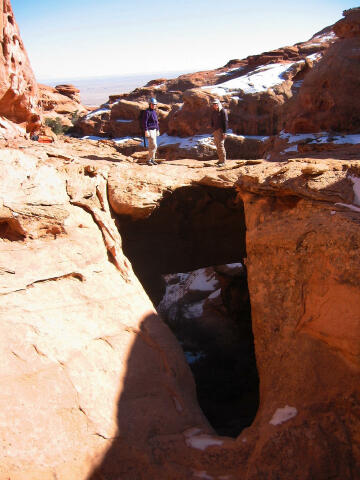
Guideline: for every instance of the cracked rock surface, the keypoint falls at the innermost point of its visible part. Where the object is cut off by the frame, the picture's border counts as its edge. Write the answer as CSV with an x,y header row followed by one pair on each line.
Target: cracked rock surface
x,y
94,385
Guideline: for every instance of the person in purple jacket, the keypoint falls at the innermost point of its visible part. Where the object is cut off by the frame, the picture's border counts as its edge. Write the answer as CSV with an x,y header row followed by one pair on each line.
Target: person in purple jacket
x,y
219,124
151,129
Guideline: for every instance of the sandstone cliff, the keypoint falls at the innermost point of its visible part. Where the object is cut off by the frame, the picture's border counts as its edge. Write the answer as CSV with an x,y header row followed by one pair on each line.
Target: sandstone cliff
x,y
18,88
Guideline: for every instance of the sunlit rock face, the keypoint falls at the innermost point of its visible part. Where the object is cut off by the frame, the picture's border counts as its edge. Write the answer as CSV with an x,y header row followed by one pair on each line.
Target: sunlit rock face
x,y
62,101
94,384
328,99
18,89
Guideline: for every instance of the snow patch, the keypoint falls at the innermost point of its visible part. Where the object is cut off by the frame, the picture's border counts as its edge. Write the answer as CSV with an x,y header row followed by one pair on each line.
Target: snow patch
x,y
326,37
121,140
187,142
248,137
215,294
294,148
202,280
97,112
193,310
283,415
203,441
356,188
321,137
202,474
259,80
93,137
314,57
349,206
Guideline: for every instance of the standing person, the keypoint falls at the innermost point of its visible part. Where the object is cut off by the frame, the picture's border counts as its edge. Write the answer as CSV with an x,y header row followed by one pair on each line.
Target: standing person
x,y
219,123
151,129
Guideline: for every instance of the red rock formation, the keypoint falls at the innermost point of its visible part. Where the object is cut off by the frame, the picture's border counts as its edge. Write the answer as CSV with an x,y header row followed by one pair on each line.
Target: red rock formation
x,y
94,385
18,89
69,91
329,98
259,111
63,102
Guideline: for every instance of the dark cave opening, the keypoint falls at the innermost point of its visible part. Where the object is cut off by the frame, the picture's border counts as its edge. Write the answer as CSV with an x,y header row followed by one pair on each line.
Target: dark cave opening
x,y
201,230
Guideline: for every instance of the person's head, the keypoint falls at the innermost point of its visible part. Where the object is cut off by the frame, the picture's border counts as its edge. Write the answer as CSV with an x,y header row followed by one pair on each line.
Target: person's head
x,y
152,102
216,105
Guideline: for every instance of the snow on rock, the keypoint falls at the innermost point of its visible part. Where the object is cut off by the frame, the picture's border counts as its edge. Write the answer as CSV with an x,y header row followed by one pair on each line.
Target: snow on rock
x,y
349,206
174,290
215,294
248,137
93,137
203,280
321,137
259,80
100,111
203,441
326,37
121,140
202,474
193,310
186,143
231,269
356,188
314,57
283,415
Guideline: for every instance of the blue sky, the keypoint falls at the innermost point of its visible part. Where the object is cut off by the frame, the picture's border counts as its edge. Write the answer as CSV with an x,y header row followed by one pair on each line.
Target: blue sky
x,y
81,38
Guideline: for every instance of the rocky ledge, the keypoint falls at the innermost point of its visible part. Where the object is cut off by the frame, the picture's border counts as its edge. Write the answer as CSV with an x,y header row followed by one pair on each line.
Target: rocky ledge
x,y
95,385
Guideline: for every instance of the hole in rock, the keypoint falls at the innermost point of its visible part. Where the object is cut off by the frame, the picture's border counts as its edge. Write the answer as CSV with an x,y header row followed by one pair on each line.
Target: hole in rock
x,y
11,230
189,257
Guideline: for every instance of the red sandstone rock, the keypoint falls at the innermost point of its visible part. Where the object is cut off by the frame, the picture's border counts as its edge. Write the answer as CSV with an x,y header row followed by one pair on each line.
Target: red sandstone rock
x,y
69,91
349,27
258,112
55,103
81,340
18,89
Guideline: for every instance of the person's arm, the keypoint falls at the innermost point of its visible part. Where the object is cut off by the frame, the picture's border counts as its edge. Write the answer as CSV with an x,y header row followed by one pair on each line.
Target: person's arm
x,y
157,124
224,120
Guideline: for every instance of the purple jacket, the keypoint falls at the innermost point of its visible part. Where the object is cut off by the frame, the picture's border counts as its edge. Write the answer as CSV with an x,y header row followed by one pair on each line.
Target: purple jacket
x,y
150,120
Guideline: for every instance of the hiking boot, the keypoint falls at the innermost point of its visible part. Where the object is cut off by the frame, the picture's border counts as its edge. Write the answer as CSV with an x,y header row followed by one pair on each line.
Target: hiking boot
x,y
220,164
149,162
154,162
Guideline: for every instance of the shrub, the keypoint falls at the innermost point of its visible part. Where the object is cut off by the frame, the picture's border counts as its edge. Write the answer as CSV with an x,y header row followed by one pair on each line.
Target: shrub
x,y
56,126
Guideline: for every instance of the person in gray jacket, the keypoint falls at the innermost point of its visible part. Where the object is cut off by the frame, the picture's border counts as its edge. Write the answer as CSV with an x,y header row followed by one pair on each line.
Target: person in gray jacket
x,y
219,123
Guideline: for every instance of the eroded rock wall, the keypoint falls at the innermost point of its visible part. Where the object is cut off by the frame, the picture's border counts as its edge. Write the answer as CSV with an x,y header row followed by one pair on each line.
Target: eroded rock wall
x,y
328,99
306,327
18,88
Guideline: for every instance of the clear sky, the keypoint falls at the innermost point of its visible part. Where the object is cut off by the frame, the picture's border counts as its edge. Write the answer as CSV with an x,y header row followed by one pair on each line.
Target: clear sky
x,y
81,38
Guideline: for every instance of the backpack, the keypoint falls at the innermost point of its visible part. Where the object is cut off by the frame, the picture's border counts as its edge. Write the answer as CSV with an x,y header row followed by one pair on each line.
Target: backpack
x,y
141,119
